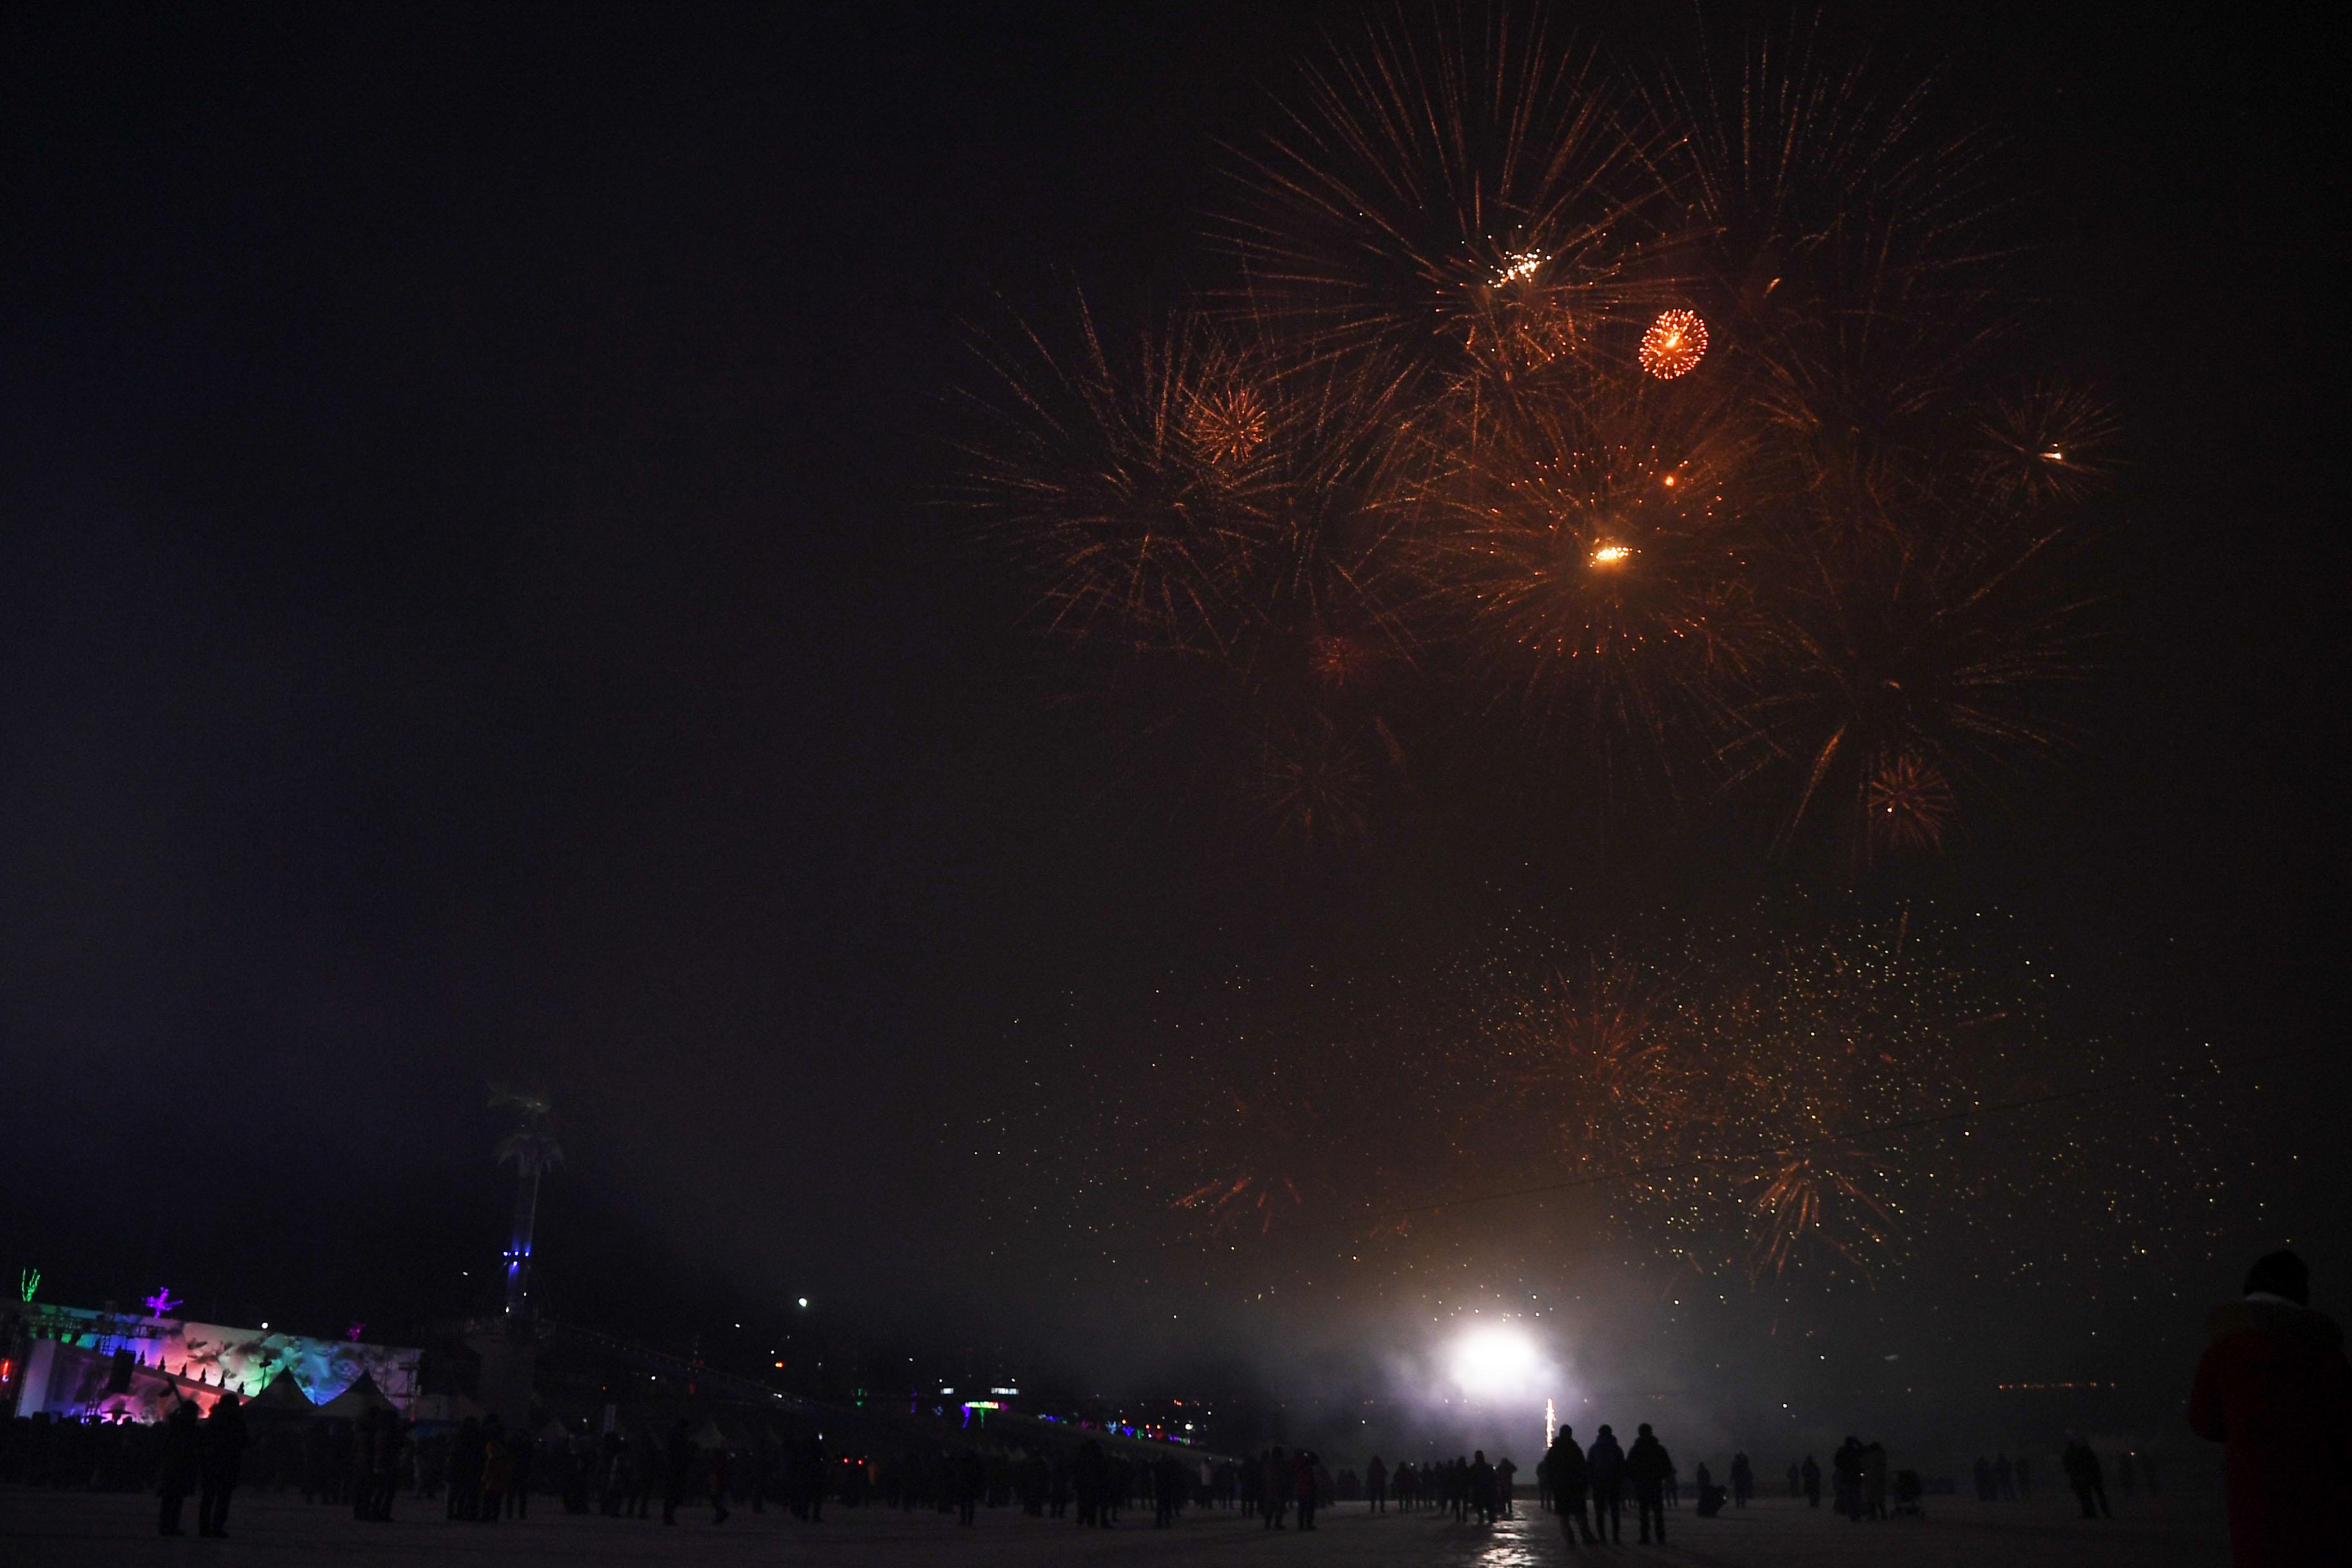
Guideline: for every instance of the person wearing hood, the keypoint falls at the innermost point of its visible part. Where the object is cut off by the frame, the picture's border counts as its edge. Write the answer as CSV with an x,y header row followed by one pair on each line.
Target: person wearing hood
x,y
2274,1390
183,1451
1648,1465
1604,1466
1565,1467
223,1462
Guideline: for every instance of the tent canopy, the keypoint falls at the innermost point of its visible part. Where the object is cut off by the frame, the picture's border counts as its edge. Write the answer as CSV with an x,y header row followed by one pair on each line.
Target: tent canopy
x,y
282,1394
356,1401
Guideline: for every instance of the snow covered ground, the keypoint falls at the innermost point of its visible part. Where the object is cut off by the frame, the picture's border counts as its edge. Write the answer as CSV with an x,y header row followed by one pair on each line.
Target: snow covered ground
x,y
41,1528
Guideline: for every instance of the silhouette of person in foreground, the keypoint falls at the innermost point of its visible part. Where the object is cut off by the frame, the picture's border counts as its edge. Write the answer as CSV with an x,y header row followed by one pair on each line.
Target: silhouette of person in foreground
x,y
1604,1469
182,1445
1565,1465
1647,1466
1376,1485
2274,1388
1812,1476
1743,1480
2085,1476
224,1461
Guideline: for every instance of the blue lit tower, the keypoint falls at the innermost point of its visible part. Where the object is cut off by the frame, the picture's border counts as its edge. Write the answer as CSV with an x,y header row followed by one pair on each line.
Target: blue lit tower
x,y
532,1148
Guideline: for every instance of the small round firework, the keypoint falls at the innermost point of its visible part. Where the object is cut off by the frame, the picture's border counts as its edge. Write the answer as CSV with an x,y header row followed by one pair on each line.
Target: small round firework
x,y
1227,424
1909,800
1675,344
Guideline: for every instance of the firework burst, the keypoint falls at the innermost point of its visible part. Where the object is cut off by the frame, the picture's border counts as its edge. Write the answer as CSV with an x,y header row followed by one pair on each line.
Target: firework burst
x,y
1596,560
1674,345
1465,200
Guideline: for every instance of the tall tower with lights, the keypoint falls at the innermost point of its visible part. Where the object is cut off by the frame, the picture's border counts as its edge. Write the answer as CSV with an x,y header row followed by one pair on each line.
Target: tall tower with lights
x,y
533,1150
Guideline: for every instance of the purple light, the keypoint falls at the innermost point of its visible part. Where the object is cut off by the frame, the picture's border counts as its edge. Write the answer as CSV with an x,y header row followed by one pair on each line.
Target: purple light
x,y
161,1303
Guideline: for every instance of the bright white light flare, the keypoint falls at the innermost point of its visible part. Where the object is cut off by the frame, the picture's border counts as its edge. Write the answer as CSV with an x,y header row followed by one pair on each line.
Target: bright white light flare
x,y
1494,1362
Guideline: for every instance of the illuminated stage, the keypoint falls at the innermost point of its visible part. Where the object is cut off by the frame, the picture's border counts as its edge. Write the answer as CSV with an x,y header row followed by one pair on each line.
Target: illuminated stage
x,y
82,1363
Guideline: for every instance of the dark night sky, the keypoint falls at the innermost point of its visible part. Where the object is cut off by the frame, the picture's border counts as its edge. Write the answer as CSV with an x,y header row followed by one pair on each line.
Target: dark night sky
x,y
478,605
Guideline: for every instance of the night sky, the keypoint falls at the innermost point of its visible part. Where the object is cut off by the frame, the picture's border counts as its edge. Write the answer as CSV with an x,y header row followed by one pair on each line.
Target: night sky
x,y
486,599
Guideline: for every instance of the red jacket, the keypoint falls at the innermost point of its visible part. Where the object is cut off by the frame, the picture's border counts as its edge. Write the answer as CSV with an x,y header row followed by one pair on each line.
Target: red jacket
x,y
2274,1387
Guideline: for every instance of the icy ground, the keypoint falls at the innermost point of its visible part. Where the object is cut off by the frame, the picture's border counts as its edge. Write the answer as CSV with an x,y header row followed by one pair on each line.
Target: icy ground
x,y
41,1528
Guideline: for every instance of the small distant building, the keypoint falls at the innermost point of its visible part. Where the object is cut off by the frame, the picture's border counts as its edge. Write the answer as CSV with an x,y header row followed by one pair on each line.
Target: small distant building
x,y
75,1362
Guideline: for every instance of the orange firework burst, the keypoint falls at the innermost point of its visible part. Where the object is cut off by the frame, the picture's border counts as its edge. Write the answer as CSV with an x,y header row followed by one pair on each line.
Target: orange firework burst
x,y
1675,344
1227,423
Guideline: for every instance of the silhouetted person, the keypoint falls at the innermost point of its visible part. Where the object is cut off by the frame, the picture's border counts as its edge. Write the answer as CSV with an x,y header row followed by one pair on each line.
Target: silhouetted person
x,y
1376,1485
524,1448
467,1450
1481,1487
1647,1466
1846,1466
813,1475
498,1472
718,1478
1873,1477
1275,1498
223,1445
2024,1478
1167,1483
1506,1478
972,1479
2084,1475
1812,1476
1303,1487
183,1454
392,1437
2274,1388
1604,1467
681,1468
1743,1480
1564,1464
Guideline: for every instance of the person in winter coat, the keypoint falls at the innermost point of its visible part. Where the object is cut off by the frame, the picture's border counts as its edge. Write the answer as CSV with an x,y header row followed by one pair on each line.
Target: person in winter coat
x,y
1304,1488
1604,1466
223,1462
1647,1466
2274,1390
182,1444
1565,1465
2085,1476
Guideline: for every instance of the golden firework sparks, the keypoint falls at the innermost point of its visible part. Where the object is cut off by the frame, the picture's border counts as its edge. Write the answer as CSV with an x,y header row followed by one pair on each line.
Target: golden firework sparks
x,y
1675,344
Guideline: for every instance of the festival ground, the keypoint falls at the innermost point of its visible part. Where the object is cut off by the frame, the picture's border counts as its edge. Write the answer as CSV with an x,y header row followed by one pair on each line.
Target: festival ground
x,y
42,1529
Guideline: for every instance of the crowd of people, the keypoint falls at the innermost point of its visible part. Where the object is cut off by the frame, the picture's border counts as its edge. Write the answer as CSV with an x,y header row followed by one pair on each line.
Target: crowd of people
x,y
2274,1388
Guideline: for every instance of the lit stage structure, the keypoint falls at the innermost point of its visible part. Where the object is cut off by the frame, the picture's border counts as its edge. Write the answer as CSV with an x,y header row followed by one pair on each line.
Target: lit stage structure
x,y
78,1362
